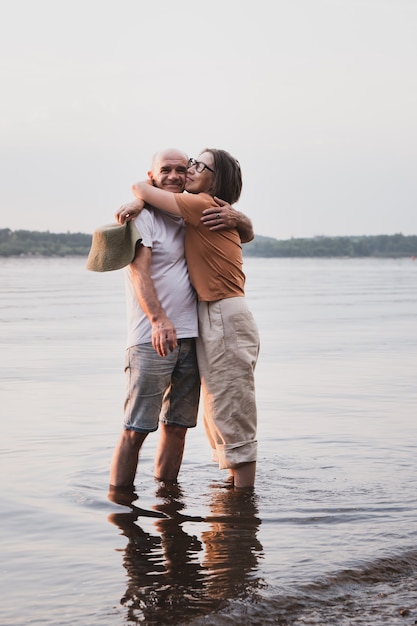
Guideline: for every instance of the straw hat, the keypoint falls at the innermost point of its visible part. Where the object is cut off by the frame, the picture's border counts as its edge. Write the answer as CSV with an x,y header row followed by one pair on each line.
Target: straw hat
x,y
113,247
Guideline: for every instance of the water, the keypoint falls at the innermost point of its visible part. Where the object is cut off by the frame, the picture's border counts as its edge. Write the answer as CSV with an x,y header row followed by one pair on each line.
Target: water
x,y
328,538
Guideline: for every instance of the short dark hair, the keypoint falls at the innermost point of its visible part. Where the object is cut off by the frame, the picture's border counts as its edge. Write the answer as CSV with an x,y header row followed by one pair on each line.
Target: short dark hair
x,y
227,177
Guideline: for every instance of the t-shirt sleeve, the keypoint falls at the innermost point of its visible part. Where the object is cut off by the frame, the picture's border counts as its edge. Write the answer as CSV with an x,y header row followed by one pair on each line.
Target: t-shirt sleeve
x,y
192,206
145,224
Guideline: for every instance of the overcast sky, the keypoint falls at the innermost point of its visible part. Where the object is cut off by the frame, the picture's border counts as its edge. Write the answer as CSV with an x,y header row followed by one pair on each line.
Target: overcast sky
x,y
317,99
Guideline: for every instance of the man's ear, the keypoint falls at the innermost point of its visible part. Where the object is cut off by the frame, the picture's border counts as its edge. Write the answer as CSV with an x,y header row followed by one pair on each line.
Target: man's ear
x,y
151,178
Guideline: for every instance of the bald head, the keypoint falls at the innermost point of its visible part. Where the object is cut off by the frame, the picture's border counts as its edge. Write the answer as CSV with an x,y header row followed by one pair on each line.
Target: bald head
x,y
169,169
167,155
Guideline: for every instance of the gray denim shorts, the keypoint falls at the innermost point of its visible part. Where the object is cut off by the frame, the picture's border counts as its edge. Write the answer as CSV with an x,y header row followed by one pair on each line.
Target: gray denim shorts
x,y
161,389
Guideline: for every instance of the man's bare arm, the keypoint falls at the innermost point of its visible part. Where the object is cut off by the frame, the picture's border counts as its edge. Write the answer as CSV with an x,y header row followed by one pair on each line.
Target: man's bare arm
x,y
223,217
164,336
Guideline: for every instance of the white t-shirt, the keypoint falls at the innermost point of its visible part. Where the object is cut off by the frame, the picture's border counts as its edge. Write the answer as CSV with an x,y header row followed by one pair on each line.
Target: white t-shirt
x,y
164,233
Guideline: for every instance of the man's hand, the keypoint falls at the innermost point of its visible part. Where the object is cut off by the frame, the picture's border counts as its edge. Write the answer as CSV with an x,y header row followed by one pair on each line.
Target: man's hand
x,y
164,337
224,217
221,216
129,211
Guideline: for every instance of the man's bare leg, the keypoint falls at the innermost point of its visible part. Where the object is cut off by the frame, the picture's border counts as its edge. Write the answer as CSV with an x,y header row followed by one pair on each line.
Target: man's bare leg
x,y
125,458
170,451
244,475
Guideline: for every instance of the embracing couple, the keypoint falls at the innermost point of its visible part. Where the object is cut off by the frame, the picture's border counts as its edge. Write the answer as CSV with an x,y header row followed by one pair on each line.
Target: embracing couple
x,y
188,320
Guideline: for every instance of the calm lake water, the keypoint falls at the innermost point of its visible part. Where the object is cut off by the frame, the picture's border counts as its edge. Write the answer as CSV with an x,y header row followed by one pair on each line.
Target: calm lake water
x,y
329,536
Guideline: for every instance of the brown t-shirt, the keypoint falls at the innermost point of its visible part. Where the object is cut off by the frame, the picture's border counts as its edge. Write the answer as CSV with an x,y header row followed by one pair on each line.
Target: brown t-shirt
x,y
214,259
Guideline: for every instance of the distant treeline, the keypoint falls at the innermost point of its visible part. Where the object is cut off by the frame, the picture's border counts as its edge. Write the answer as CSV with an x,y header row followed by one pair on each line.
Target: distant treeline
x,y
365,246
35,243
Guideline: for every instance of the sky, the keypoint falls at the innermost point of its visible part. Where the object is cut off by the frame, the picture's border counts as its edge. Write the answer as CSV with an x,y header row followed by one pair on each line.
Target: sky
x,y
317,99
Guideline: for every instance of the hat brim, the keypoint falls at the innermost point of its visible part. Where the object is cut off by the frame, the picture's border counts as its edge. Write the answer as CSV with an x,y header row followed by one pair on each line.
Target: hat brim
x,y
113,247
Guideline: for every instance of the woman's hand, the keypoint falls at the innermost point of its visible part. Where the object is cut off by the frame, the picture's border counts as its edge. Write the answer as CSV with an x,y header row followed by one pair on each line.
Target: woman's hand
x,y
129,211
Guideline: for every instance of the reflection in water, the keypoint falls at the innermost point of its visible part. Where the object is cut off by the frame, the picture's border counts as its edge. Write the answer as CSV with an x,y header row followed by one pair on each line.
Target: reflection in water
x,y
173,575
231,547
165,578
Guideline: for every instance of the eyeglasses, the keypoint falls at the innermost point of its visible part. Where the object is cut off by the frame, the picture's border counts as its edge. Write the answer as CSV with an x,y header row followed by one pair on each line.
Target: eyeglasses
x,y
199,166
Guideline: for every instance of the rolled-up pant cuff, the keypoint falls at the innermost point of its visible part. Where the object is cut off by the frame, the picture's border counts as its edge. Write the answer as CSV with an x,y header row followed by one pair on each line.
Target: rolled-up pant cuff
x,y
232,455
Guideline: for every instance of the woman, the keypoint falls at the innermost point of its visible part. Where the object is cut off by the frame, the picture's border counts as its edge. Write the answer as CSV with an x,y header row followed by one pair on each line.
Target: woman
x,y
228,344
